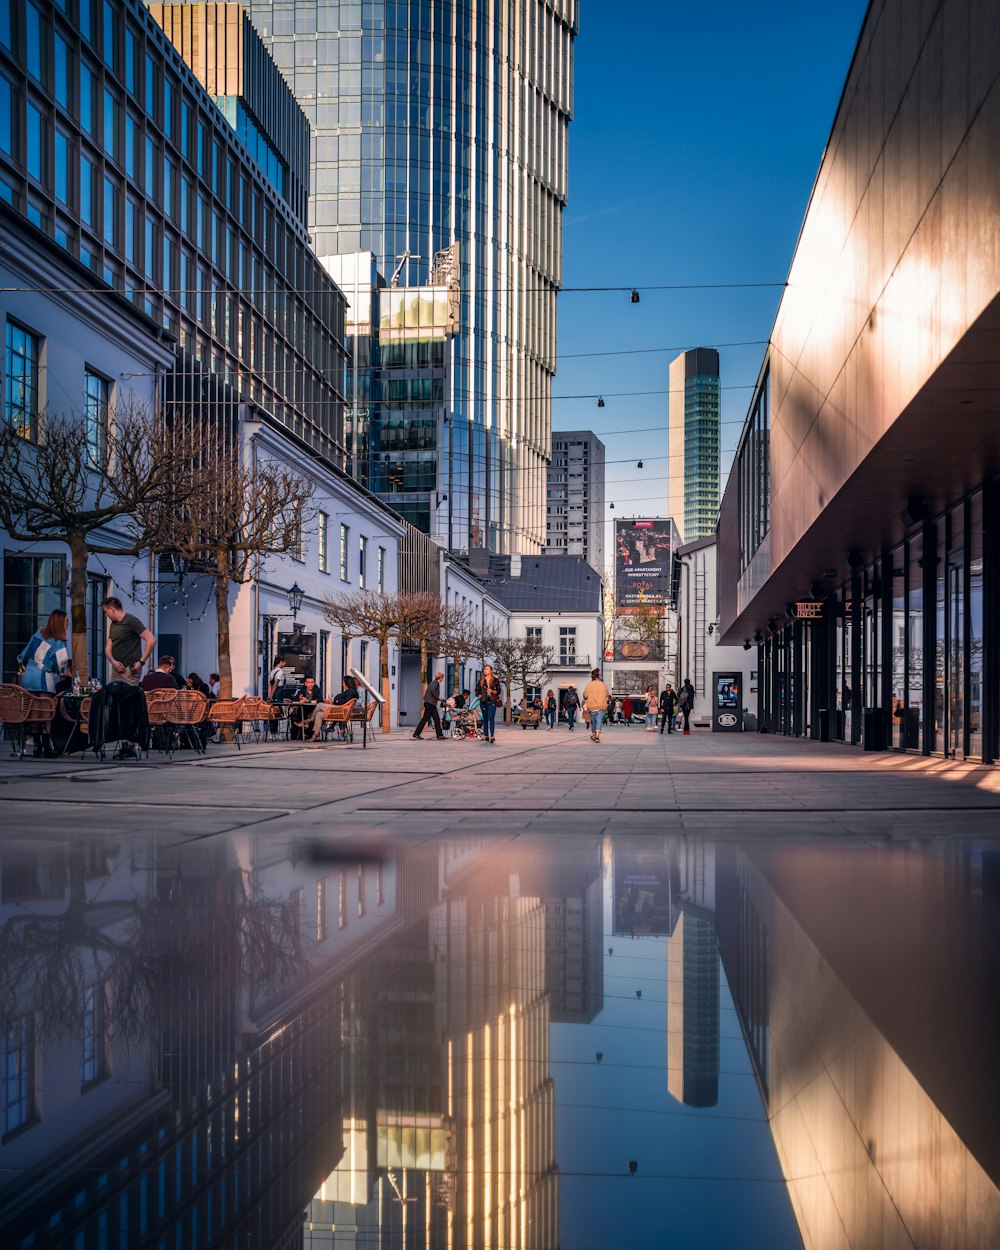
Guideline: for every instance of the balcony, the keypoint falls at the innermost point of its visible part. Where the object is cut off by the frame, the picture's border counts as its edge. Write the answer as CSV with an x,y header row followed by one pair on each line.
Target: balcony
x,y
571,659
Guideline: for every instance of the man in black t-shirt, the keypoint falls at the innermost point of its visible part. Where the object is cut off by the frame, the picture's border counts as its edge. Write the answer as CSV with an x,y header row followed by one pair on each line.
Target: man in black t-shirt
x,y
129,645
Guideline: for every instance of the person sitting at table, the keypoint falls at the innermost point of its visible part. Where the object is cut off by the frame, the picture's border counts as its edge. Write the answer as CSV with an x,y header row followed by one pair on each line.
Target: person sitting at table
x,y
162,677
194,682
214,684
65,683
303,708
44,659
348,694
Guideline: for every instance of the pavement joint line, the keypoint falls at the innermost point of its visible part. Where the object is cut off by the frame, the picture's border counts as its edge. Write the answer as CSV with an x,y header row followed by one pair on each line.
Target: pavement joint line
x,y
687,808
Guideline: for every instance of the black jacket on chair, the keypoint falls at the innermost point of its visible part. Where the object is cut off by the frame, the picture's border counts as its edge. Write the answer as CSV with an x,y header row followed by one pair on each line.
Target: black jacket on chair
x,y
118,712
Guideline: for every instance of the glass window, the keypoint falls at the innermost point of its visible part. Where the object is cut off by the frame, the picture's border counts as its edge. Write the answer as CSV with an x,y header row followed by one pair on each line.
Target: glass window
x,y
33,586
975,653
915,646
23,350
63,167
111,196
35,143
86,99
321,544
131,231
345,535
110,37
97,404
62,72
168,108
361,887
381,570
86,191
130,61
5,25
342,900
8,118
93,1048
150,170
321,929
362,561
111,124
131,145
150,87
898,647
35,42
17,1075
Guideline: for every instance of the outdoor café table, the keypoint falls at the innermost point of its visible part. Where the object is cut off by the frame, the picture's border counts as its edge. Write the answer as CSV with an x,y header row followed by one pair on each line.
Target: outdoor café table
x,y
299,715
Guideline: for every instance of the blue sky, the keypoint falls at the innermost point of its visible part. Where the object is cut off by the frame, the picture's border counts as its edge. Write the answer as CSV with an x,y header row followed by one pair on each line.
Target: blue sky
x,y
697,134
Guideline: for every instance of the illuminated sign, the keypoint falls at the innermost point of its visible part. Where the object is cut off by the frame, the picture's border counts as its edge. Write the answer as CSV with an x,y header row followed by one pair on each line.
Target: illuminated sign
x,y
809,610
643,557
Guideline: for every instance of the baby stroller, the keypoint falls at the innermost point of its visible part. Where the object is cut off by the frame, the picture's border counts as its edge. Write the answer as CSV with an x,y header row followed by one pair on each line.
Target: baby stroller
x,y
465,724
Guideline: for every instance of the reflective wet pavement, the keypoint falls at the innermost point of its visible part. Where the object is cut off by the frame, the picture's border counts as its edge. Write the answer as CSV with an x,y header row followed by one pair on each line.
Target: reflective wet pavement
x,y
696,993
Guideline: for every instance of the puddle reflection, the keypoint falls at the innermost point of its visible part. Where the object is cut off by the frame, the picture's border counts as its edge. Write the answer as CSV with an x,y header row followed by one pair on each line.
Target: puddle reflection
x,y
532,1044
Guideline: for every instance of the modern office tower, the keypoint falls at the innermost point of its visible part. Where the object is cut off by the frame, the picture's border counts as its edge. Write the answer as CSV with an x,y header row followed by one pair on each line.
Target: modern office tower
x,y
693,442
132,171
574,504
433,125
693,1010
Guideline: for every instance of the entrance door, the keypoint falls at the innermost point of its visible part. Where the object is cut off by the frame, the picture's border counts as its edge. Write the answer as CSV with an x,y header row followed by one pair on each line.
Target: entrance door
x,y
955,664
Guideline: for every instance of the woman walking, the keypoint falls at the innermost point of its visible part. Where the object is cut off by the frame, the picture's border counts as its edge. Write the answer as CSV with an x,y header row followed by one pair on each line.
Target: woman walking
x,y
650,710
550,709
490,697
596,697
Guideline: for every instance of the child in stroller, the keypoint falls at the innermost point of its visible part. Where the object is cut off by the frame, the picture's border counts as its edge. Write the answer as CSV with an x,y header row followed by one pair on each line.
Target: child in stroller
x,y
463,717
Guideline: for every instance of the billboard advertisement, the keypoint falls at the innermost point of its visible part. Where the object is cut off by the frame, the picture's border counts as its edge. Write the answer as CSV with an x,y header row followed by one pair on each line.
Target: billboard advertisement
x,y
642,888
635,650
643,550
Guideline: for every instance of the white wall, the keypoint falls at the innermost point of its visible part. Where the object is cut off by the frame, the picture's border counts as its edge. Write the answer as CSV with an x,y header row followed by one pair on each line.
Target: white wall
x,y
699,652
119,344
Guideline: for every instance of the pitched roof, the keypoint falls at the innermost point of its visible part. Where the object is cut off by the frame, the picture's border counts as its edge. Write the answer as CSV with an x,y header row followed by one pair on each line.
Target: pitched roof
x,y
548,583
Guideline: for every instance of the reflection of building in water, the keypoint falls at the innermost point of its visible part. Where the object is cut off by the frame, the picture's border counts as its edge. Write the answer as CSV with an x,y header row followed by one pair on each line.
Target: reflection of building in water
x,y
693,977
187,1027
865,982
572,894
642,886
460,1099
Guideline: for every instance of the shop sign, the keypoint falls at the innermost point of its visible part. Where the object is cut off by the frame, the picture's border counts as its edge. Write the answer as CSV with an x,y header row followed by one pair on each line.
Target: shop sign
x,y
809,610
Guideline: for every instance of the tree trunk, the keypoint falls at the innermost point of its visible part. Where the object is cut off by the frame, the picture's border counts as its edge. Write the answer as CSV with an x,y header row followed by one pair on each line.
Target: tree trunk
x,y
384,671
425,660
221,589
78,605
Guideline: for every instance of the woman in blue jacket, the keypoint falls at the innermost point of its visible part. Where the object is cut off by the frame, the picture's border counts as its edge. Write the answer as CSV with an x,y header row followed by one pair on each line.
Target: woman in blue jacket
x,y
46,655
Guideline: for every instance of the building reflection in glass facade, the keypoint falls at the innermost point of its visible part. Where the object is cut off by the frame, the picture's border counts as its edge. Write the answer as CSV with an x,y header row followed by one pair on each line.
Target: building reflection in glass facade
x,y
434,124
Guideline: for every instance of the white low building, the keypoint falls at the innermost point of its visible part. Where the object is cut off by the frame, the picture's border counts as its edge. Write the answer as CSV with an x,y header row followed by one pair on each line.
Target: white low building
x,y
558,600
60,360
699,654
351,543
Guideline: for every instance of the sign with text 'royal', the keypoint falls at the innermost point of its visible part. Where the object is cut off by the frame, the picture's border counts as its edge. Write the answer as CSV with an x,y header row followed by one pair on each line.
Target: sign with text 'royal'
x,y
643,553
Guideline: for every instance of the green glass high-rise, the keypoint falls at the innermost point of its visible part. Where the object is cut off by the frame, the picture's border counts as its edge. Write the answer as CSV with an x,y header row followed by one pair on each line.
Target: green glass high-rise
x,y
693,442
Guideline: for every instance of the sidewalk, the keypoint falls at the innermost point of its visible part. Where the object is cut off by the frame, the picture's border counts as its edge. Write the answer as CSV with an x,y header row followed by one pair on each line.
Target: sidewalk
x,y
729,786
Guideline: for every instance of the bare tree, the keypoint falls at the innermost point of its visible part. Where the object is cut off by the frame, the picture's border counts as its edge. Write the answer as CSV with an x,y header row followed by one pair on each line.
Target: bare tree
x,y
459,638
241,513
382,618
100,491
506,652
532,662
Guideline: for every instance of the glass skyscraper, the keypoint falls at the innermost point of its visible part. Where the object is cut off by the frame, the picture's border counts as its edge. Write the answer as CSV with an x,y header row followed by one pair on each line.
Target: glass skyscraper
x,y
435,123
693,427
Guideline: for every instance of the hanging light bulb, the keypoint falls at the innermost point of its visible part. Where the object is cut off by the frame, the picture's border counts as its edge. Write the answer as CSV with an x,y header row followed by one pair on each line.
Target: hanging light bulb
x,y
612,507
634,297
639,465
600,401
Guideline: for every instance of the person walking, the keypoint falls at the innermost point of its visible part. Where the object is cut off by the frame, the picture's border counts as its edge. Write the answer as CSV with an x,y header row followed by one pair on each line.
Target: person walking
x,y
627,709
550,709
129,645
686,703
276,681
668,708
571,705
490,695
432,697
650,710
596,698
617,707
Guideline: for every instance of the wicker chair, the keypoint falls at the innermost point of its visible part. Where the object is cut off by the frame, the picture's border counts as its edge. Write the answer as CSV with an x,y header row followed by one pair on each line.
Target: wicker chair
x,y
189,709
22,712
257,716
360,715
159,708
228,714
337,714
